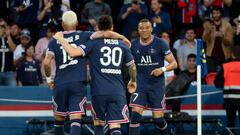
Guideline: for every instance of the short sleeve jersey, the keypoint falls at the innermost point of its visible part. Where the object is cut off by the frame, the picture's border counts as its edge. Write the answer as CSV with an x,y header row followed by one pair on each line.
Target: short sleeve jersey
x,y
69,69
107,58
147,58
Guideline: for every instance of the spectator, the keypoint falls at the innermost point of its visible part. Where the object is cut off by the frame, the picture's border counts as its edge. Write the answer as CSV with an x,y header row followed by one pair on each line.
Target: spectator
x,y
41,48
186,14
49,12
115,6
93,10
27,11
160,19
28,69
169,75
237,32
225,4
189,47
228,79
130,15
15,33
6,56
234,9
178,86
218,35
25,39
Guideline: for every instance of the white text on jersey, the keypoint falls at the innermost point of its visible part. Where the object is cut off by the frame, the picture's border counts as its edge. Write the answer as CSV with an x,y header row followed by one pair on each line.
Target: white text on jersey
x,y
111,41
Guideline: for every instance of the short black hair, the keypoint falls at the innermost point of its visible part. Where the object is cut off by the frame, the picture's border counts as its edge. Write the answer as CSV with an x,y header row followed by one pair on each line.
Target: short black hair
x,y
105,22
191,55
144,20
236,51
189,27
217,8
52,27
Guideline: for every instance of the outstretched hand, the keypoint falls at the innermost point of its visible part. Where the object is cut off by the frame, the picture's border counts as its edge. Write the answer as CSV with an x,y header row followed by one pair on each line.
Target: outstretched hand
x,y
58,36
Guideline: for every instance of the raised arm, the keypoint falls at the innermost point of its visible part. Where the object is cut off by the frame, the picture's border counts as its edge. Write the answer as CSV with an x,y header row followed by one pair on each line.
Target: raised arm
x,y
112,35
73,52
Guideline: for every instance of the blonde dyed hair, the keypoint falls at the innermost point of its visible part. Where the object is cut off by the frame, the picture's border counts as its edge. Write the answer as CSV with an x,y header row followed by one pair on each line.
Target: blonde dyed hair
x,y
69,18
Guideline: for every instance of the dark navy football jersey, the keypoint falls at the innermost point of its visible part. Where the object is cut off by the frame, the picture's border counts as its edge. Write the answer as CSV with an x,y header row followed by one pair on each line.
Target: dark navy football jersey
x,y
28,72
147,58
107,58
69,69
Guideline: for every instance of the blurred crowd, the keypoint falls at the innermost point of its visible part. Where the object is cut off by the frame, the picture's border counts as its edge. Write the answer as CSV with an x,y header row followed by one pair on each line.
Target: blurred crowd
x,y
26,27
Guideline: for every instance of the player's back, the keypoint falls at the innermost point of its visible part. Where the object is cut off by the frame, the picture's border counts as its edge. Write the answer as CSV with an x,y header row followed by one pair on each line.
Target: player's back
x,y
107,58
69,69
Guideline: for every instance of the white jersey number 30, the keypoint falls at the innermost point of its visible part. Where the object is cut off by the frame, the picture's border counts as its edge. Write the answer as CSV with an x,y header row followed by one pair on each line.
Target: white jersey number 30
x,y
109,56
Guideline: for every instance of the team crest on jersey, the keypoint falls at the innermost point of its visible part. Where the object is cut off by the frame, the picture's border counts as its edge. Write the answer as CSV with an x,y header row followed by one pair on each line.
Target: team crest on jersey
x,y
152,50
138,52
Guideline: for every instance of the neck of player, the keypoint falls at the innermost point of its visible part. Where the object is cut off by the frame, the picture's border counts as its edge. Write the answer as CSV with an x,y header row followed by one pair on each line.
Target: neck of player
x,y
146,40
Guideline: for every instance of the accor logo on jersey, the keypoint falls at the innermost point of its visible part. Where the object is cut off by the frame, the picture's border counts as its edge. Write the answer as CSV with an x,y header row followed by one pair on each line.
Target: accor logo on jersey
x,y
146,61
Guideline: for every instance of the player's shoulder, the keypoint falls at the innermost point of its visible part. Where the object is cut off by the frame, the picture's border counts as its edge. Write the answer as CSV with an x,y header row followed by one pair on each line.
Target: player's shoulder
x,y
160,42
83,33
135,40
53,41
123,44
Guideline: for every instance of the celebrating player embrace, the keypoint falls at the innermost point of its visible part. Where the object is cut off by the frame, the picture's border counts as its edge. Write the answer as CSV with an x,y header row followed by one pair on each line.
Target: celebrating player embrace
x,y
107,58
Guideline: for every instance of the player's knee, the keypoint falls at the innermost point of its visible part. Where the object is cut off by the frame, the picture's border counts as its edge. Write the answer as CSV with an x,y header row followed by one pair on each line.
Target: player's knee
x,y
138,110
98,123
161,123
115,125
135,118
158,114
75,116
59,117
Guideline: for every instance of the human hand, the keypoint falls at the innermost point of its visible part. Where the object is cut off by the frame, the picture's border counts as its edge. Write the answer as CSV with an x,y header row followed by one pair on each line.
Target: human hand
x,y
48,5
7,31
127,42
132,86
157,19
92,22
157,72
21,8
51,85
218,34
136,8
58,36
129,9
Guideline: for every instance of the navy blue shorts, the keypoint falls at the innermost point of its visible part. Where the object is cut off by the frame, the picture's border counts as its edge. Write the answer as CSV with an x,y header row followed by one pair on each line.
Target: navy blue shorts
x,y
69,98
110,109
153,100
